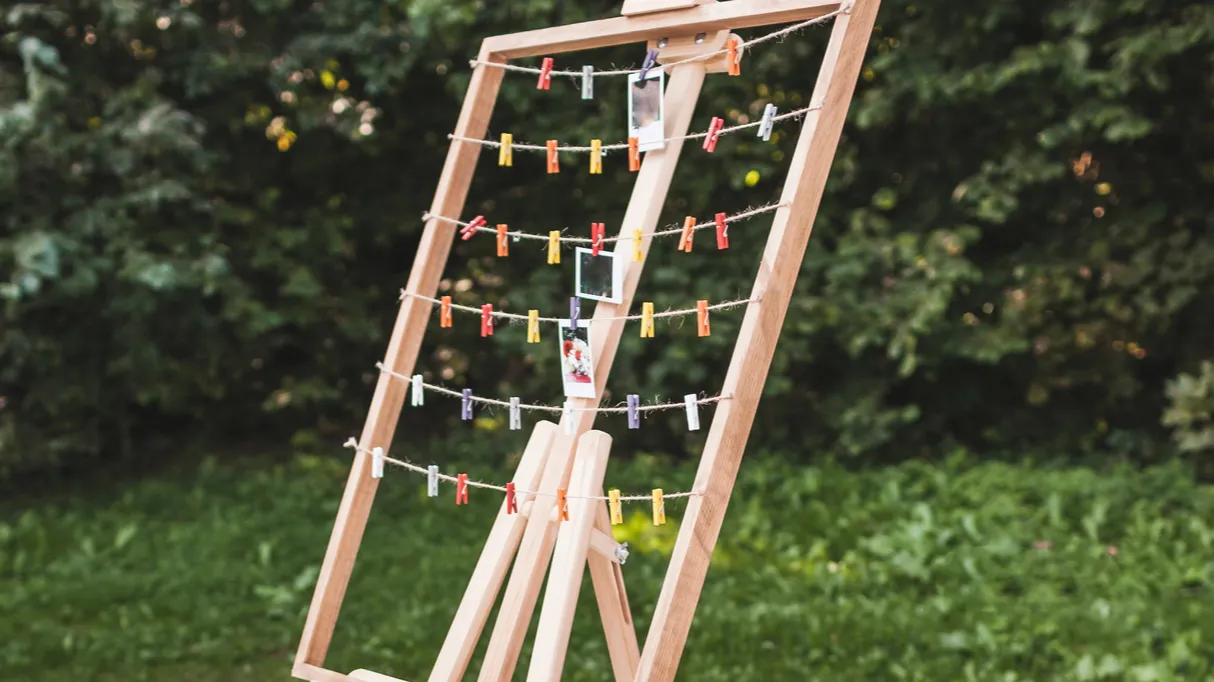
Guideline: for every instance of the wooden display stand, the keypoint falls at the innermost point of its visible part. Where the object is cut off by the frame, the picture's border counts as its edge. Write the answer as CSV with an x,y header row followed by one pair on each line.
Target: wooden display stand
x,y
554,459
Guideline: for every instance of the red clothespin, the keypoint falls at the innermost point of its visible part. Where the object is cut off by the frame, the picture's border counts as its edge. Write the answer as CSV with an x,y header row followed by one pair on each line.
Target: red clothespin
x,y
562,504
689,231
597,234
487,319
545,74
511,500
468,230
634,155
714,131
461,489
554,163
702,318
444,312
722,232
731,58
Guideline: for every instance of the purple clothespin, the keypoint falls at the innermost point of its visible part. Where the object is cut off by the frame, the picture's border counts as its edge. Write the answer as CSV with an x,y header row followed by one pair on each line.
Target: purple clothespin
x,y
634,417
651,58
466,412
575,311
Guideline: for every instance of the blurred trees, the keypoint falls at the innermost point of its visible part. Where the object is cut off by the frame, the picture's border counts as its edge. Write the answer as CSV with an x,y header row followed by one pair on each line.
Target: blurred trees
x,y
207,210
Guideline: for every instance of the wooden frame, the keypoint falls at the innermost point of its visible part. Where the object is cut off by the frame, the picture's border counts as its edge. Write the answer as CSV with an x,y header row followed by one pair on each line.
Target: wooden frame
x,y
548,460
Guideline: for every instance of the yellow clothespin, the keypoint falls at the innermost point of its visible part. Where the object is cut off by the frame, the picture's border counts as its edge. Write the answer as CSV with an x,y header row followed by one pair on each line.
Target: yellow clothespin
x,y
503,244
647,320
505,154
659,508
617,514
685,239
637,256
554,247
533,326
596,157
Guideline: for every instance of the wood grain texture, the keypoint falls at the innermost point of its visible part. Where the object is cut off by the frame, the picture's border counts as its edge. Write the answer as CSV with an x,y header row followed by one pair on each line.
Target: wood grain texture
x,y
756,343
371,676
607,577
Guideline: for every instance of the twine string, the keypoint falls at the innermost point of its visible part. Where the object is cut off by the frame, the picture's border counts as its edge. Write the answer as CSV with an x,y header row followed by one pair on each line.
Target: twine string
x,y
516,317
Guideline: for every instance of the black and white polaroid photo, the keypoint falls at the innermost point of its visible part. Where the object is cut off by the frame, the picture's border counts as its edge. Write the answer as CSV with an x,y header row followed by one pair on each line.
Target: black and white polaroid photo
x,y
599,278
577,366
645,109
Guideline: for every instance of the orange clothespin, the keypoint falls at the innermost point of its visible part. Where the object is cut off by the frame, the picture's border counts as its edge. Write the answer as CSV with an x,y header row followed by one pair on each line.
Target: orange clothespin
x,y
685,239
596,157
617,514
646,320
505,153
533,326
554,247
659,508
461,489
554,163
487,320
597,234
511,500
444,312
545,74
702,318
468,230
731,58
722,232
562,504
503,244
634,156
714,131
637,255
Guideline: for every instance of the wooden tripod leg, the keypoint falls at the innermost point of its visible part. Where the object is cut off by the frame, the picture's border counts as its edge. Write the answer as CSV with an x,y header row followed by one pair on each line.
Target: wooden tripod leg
x,y
608,580
569,559
490,572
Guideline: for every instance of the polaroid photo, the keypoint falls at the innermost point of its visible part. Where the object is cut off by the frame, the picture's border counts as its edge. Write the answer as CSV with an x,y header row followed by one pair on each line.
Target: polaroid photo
x,y
599,278
645,109
577,366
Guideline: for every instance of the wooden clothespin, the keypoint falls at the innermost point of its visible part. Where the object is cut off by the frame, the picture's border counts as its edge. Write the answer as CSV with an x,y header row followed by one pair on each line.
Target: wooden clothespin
x,y
377,463
487,320
596,157
575,312
554,162
503,243
562,504
714,131
768,122
419,393
554,247
516,417
444,312
511,500
598,232
587,82
617,514
634,155
567,417
432,480
545,74
468,230
693,411
732,59
637,254
722,232
533,326
465,412
659,508
634,413
505,153
702,318
647,320
461,489
688,235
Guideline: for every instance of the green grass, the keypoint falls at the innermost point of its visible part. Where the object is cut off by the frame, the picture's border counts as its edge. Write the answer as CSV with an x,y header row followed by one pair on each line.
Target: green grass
x,y
975,572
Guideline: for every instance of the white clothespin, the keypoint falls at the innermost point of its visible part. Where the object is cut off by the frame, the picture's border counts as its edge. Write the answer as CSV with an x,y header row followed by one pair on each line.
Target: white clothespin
x,y
693,412
377,463
516,418
419,394
587,82
768,122
567,417
432,480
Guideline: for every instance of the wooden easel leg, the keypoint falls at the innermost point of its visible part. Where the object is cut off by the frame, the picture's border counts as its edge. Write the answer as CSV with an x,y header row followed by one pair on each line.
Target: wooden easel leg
x,y
569,559
490,572
608,580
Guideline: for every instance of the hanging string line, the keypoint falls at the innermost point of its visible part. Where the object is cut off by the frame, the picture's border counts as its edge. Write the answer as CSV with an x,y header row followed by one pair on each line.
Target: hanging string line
x,y
353,444
515,317
673,229
538,407
844,8
624,145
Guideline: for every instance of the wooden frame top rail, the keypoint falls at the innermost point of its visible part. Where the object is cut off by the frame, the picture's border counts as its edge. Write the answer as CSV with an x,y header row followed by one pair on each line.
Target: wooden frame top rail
x,y
733,14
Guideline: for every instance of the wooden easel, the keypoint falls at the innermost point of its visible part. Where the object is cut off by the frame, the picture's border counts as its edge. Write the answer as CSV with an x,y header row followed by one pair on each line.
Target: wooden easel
x,y
554,459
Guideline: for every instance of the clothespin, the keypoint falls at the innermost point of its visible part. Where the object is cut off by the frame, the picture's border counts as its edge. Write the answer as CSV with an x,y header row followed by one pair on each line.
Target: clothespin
x,y
596,157
689,232
511,500
567,417
466,408
533,326
634,156
461,489
516,417
613,500
377,463
722,232
432,480
587,82
598,232
554,247
702,318
714,131
419,393
637,255
487,320
505,153
732,59
503,244
554,162
562,504
693,412
468,230
575,311
651,58
646,320
659,508
545,74
634,414
768,122
444,312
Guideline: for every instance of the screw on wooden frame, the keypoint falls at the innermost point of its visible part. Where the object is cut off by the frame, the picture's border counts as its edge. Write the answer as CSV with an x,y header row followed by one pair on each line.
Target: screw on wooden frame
x,y
700,37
